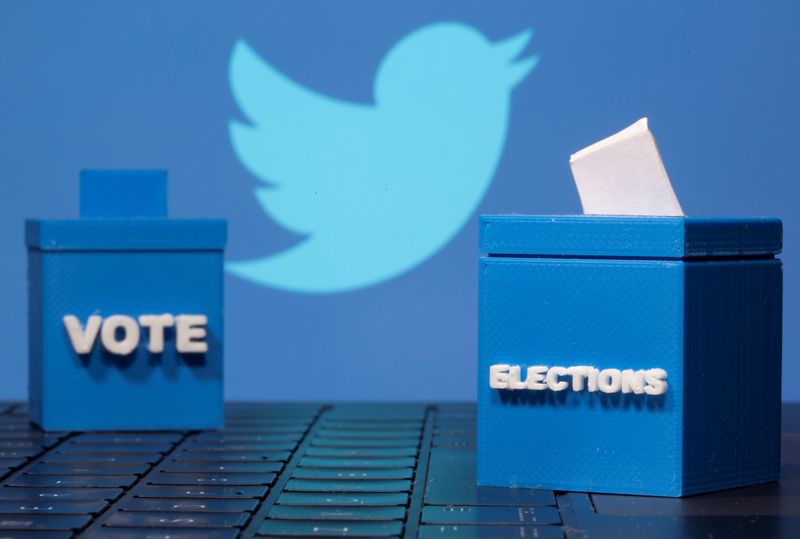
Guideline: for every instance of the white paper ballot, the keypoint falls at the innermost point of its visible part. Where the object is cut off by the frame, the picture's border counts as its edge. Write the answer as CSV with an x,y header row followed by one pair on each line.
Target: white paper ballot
x,y
624,175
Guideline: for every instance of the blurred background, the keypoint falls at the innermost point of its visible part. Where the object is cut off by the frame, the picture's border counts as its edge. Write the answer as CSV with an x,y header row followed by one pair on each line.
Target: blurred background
x,y
147,84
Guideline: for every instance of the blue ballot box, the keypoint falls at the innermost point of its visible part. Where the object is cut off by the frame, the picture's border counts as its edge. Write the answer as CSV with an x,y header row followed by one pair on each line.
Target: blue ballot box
x,y
125,311
629,355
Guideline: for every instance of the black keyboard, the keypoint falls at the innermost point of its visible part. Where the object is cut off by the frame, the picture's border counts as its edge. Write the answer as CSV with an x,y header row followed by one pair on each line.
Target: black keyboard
x,y
356,470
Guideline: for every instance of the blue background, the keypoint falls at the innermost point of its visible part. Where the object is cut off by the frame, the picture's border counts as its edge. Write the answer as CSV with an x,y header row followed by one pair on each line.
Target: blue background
x,y
146,85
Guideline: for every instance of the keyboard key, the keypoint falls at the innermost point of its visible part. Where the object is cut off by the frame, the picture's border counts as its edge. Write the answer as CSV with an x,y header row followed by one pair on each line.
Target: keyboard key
x,y
255,429
70,494
267,419
138,458
73,481
36,534
135,519
86,468
42,522
429,531
206,491
380,434
372,425
56,507
164,533
319,441
318,498
241,456
309,485
353,473
126,438
453,442
114,448
447,437
32,435
18,444
241,446
18,453
229,505
353,512
451,481
167,478
489,515
377,412
266,422
269,435
22,425
455,428
222,438
377,452
321,462
291,528
227,467
281,408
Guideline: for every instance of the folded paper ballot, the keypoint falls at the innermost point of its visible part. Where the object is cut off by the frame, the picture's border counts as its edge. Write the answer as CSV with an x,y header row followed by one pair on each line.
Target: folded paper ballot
x,y
624,175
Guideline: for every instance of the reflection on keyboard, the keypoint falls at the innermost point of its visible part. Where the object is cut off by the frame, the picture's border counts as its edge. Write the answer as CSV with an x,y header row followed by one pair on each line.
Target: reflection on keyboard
x,y
369,470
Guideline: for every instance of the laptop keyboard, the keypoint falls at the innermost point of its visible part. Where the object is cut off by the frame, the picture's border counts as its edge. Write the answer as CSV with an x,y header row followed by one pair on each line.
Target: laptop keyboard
x,y
371,470
360,470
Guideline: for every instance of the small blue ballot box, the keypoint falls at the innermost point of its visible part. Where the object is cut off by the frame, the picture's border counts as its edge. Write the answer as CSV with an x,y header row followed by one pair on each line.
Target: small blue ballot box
x,y
629,355
125,311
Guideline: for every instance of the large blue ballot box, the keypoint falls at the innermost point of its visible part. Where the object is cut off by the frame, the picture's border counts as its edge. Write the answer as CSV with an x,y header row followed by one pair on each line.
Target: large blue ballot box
x,y
629,355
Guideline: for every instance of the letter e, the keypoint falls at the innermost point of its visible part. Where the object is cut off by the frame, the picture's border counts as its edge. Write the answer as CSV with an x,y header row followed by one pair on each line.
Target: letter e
x,y
498,376
190,332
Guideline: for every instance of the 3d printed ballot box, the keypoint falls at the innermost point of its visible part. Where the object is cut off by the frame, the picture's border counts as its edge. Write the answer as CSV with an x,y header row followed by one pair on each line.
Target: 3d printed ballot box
x,y
125,311
629,355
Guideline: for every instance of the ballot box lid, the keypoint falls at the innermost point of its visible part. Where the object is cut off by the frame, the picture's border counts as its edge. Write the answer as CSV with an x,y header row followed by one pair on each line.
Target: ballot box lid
x,y
629,236
119,234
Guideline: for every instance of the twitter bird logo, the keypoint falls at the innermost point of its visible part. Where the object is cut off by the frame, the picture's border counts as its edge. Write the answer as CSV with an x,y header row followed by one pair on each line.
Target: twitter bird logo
x,y
375,189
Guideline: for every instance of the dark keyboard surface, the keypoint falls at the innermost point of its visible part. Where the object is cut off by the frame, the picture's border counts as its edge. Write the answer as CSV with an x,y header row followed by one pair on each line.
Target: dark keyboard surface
x,y
358,470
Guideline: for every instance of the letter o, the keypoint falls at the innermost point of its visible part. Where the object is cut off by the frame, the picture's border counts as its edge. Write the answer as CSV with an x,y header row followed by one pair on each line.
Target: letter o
x,y
609,380
108,335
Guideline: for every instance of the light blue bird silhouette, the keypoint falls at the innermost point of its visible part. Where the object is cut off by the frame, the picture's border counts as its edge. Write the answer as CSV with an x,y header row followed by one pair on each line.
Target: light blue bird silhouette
x,y
375,188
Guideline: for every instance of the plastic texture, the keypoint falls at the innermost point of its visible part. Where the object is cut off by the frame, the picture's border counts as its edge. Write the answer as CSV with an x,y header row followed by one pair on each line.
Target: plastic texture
x,y
123,193
713,323
629,237
130,272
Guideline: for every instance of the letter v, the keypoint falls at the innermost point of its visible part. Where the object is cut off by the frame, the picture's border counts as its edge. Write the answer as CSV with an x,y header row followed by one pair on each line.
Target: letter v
x,y
82,340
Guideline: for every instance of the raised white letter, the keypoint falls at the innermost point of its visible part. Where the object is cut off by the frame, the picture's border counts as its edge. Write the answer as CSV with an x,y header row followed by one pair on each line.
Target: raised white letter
x,y
498,376
579,372
656,382
633,381
536,377
592,379
515,378
109,334
82,339
552,378
609,380
189,328
156,323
